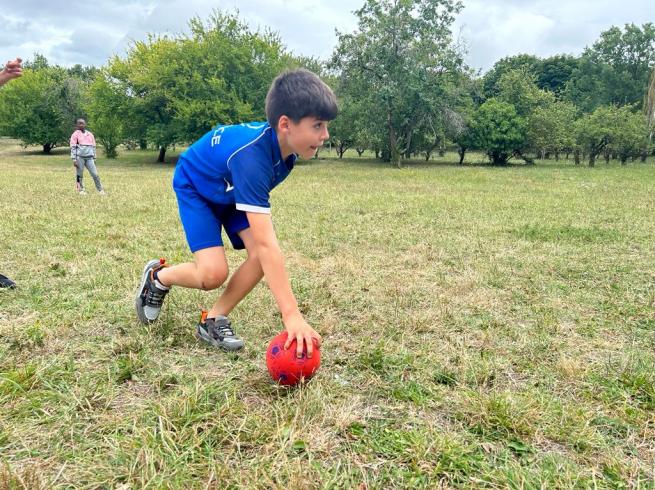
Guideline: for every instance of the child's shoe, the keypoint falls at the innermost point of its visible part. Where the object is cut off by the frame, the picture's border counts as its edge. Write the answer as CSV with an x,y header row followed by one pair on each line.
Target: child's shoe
x,y
218,332
151,293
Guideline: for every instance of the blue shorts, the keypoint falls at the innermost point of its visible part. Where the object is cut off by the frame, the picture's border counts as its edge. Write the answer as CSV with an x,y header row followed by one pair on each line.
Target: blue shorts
x,y
202,219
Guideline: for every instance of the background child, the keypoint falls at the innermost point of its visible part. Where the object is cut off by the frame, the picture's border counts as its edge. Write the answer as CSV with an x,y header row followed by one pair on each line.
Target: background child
x,y
83,153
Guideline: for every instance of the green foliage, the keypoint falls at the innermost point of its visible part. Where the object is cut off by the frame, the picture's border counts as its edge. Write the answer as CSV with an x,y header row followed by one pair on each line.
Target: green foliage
x,y
551,127
555,72
398,65
612,128
105,104
498,130
616,69
524,62
519,88
179,87
41,106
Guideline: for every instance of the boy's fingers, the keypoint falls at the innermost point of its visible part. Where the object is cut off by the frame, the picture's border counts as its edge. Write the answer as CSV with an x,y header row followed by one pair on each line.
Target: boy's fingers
x,y
310,346
300,344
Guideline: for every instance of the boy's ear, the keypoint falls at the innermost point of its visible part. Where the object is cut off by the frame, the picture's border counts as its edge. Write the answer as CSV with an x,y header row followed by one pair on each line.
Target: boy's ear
x,y
283,123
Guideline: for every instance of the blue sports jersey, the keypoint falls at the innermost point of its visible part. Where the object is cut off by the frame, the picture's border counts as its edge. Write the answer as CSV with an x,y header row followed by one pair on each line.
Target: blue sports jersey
x,y
237,164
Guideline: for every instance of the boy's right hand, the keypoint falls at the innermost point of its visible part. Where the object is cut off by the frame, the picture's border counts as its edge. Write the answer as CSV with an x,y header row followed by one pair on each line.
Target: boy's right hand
x,y
300,331
75,163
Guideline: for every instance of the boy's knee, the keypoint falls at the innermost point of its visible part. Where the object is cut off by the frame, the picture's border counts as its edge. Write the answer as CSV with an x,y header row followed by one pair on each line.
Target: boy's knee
x,y
253,256
212,277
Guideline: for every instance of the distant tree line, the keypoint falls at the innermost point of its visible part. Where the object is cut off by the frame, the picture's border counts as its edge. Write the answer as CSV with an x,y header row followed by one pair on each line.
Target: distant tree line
x,y
404,90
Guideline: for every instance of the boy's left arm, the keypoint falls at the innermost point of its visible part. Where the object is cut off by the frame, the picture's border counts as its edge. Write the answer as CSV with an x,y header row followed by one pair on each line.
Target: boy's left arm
x,y
272,262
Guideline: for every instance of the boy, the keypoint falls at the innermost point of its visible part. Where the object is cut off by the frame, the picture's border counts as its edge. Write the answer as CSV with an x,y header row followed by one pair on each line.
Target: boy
x,y
12,69
223,181
83,153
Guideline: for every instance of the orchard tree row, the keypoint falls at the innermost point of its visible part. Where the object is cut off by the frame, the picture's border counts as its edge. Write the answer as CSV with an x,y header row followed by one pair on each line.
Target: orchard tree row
x,y
403,87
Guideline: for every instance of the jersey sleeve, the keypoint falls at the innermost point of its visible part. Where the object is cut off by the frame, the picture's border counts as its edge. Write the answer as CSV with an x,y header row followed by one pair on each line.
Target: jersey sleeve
x,y
253,176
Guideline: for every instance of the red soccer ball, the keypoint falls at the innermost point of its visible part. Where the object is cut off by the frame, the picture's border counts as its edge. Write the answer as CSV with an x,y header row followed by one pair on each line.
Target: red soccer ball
x,y
285,367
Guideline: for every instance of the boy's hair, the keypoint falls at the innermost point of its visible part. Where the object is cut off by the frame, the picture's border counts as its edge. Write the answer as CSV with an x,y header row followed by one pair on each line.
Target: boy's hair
x,y
79,119
297,94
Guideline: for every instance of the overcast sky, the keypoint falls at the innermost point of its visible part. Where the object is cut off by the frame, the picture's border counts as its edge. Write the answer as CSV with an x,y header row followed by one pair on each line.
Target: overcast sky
x,y
88,32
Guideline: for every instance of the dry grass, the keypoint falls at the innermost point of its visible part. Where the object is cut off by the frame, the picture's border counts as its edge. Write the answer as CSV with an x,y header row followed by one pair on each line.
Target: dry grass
x,y
483,328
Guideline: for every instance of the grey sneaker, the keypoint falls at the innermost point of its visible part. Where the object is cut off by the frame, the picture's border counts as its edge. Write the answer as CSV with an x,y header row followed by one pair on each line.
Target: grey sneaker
x,y
218,332
150,297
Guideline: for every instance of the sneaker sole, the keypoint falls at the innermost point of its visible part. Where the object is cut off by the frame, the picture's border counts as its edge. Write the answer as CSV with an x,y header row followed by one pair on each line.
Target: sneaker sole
x,y
213,342
140,312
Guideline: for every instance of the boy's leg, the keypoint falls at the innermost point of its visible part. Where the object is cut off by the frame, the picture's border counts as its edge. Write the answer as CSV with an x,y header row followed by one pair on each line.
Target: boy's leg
x,y
91,166
215,328
207,272
242,281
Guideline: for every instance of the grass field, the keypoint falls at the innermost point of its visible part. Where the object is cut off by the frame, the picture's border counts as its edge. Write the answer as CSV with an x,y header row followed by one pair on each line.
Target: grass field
x,y
483,328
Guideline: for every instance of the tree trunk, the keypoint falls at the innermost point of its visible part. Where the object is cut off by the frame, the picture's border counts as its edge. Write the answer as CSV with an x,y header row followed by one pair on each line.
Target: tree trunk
x,y
606,154
576,156
462,152
377,154
644,155
47,147
543,154
427,156
162,154
359,151
393,143
408,146
557,156
143,145
592,159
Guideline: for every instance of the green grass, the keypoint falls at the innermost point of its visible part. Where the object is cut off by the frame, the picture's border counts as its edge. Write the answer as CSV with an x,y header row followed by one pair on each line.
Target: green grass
x,y
483,328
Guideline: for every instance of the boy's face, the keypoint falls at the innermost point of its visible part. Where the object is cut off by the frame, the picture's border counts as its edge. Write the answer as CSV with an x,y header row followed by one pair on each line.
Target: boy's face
x,y
304,137
81,124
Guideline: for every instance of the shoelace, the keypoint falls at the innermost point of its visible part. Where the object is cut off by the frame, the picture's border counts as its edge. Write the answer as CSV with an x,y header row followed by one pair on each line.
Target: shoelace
x,y
222,329
155,296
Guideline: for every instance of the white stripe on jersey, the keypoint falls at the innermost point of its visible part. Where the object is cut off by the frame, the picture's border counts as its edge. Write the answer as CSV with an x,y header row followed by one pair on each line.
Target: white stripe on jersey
x,y
253,209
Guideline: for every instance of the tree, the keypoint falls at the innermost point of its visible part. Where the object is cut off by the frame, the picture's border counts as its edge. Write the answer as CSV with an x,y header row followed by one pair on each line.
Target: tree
x,y
629,135
498,130
555,72
179,87
527,63
550,128
105,105
611,127
398,63
615,70
519,88
40,107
